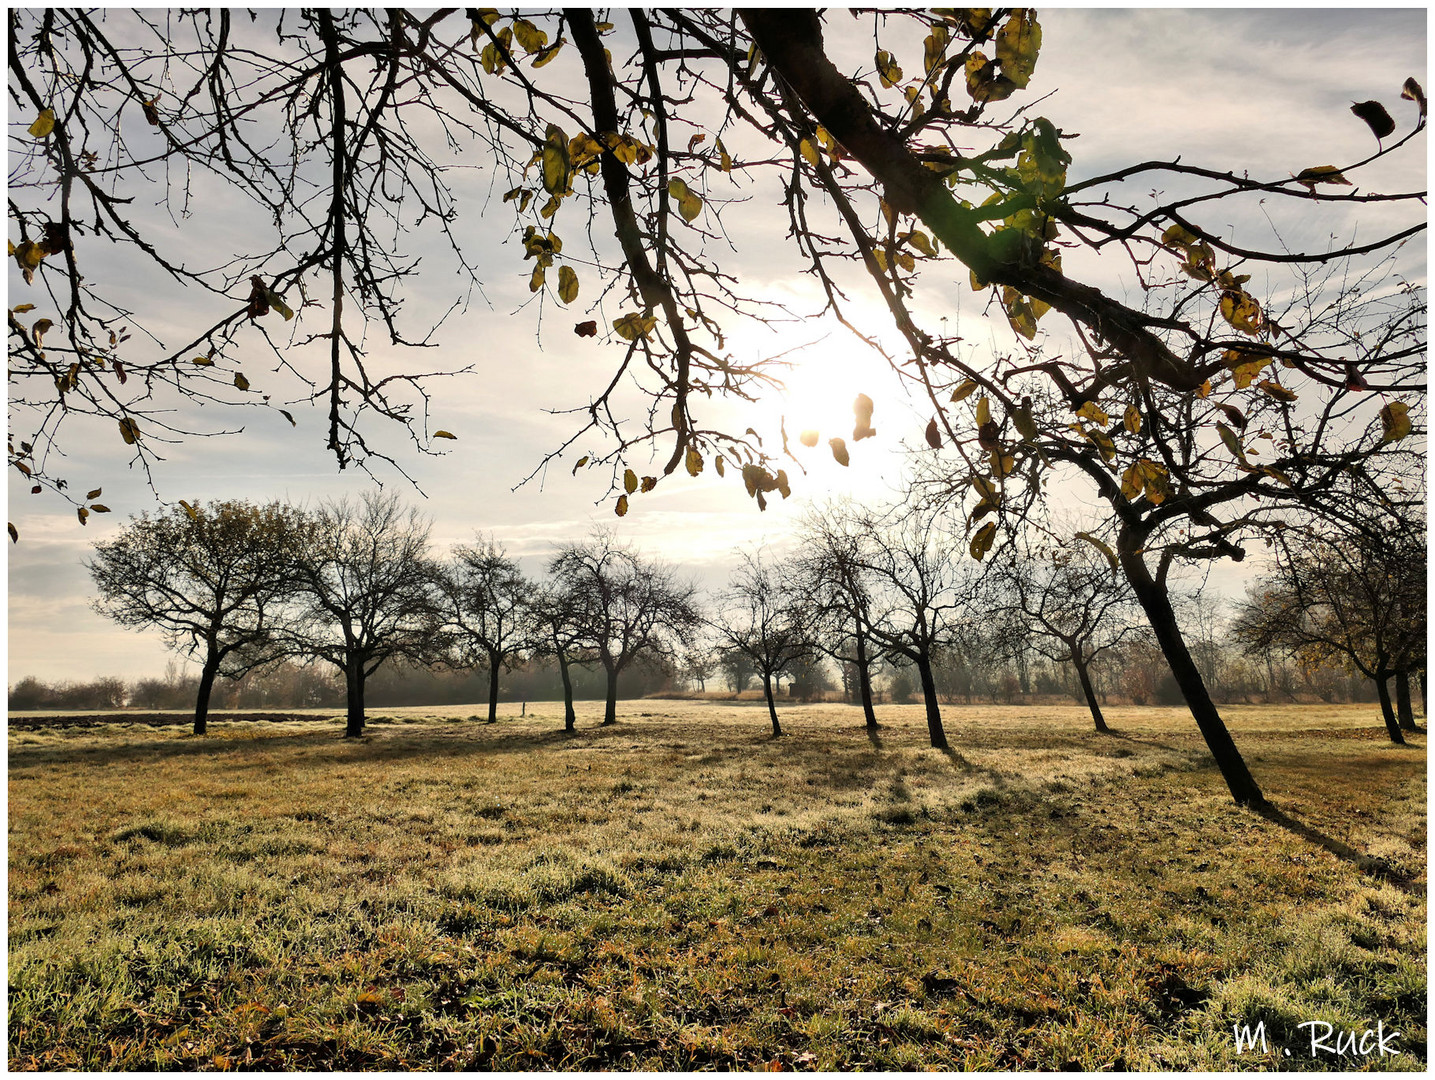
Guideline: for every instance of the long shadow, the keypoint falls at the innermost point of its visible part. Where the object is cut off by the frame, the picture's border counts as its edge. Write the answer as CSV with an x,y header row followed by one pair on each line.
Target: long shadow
x,y
1340,849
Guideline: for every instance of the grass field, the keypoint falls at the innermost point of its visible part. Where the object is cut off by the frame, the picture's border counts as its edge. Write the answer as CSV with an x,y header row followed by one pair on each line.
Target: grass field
x,y
680,891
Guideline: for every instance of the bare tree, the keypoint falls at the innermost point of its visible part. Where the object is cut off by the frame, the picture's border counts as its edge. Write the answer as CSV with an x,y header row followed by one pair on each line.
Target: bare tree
x,y
368,593
555,616
488,607
764,614
829,564
918,593
621,606
1074,607
1354,597
211,577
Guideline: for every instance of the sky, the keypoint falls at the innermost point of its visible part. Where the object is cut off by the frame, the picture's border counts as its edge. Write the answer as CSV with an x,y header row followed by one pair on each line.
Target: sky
x,y
1267,90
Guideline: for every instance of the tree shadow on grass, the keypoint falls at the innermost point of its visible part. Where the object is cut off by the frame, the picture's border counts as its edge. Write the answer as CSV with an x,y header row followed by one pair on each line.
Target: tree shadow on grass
x,y
1366,864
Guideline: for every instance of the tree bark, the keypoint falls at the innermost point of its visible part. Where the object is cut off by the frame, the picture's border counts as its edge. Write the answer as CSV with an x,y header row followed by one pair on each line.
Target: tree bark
x,y
354,694
206,686
1156,603
771,705
1403,711
864,677
610,710
1090,691
493,666
929,697
1387,710
569,718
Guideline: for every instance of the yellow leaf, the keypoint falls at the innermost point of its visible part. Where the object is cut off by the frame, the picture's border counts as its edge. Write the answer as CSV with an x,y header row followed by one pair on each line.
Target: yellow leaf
x,y
1233,444
630,481
922,242
202,361
982,541
693,462
14,533
567,284
1093,412
547,54
99,508
963,390
21,309
579,464
724,160
1132,420
444,435
535,280
44,124
1017,45
1395,421
529,36
1100,545
887,69
984,411
556,163
240,381
632,326
1241,310
1277,391
808,149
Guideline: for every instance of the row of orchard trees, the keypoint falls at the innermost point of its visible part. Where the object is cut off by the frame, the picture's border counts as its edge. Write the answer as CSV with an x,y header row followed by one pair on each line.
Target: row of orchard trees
x,y
353,584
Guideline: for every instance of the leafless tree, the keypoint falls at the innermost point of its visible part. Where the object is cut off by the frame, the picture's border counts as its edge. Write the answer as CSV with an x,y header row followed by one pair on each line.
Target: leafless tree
x,y
211,577
1073,607
368,594
489,614
765,615
621,606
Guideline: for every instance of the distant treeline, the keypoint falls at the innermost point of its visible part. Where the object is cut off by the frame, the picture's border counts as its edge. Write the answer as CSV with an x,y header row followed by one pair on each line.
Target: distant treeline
x,y
1135,674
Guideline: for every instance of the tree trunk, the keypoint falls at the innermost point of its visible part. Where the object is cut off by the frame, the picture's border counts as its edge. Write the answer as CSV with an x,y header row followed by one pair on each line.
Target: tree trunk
x,y
864,678
1387,710
610,710
493,666
771,705
1089,691
354,693
201,704
929,696
568,715
1404,713
1156,603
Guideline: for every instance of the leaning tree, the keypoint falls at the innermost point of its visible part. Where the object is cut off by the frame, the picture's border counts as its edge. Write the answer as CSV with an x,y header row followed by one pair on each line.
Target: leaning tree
x,y
212,577
898,161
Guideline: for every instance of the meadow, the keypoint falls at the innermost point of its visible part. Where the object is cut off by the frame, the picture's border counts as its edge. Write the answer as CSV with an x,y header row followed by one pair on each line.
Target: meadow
x,y
680,891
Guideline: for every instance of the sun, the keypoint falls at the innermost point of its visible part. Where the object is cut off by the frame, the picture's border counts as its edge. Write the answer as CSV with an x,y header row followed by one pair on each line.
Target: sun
x,y
829,389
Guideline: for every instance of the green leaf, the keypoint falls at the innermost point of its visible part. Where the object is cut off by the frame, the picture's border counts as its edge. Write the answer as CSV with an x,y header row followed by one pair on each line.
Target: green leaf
x,y
690,205
567,284
44,124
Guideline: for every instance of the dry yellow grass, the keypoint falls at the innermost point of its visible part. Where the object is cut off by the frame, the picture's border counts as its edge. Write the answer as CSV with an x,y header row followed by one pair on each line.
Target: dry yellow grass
x,y
681,891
